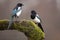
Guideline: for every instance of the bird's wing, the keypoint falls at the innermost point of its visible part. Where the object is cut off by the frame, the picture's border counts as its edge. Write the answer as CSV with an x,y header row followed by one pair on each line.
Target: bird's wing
x,y
19,12
38,17
14,12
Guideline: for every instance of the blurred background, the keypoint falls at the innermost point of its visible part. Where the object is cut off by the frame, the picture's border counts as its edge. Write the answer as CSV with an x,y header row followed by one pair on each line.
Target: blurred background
x,y
48,10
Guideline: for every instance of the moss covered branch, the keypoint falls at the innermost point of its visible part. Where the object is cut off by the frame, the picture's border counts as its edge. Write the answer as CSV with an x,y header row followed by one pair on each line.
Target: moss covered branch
x,y
29,28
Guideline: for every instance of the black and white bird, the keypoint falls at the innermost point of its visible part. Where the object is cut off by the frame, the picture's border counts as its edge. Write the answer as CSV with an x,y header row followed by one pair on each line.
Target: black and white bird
x,y
16,12
36,19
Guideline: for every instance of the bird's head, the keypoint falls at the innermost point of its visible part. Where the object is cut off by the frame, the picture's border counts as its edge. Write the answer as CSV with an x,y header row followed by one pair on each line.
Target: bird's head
x,y
19,5
33,14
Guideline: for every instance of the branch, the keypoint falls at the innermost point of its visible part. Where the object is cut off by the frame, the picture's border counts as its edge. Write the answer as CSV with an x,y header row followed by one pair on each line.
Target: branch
x,y
29,28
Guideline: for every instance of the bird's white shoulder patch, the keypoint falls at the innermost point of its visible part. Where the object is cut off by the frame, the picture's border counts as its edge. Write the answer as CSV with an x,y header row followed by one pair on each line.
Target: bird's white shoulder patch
x,y
37,20
19,12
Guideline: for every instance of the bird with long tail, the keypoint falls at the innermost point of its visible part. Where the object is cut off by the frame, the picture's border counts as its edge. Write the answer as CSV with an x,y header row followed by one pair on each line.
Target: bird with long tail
x,y
16,12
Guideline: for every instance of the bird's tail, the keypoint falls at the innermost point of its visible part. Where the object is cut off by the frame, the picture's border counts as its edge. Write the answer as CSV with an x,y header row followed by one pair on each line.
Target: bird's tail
x,y
10,22
39,24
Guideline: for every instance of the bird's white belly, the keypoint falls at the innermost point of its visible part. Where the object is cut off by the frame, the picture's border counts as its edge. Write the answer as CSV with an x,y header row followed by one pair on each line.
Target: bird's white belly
x,y
36,20
19,13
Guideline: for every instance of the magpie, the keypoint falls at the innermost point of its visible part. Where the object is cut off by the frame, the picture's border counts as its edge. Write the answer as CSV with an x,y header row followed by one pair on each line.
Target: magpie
x,y
36,19
16,12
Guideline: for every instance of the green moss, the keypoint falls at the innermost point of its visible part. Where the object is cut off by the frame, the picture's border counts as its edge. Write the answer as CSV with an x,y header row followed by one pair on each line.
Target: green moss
x,y
3,24
31,30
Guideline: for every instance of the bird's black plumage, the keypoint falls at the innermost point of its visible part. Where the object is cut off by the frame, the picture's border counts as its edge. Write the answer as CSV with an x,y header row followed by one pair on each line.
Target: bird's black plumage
x,y
33,14
36,18
19,4
39,24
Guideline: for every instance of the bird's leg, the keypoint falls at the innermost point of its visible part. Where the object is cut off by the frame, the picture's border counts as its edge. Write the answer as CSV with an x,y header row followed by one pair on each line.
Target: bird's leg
x,y
16,19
